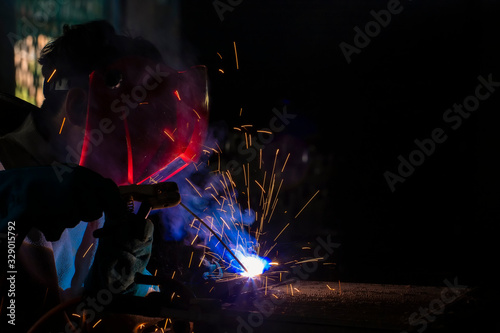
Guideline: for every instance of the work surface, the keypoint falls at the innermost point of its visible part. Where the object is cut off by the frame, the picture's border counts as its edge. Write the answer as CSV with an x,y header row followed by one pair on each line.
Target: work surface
x,y
314,306
309,306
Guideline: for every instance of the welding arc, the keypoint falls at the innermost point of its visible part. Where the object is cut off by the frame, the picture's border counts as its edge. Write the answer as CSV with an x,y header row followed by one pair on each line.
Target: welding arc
x,y
213,233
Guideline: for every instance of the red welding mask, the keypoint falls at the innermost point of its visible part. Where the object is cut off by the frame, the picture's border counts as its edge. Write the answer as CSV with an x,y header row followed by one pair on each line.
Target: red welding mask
x,y
145,121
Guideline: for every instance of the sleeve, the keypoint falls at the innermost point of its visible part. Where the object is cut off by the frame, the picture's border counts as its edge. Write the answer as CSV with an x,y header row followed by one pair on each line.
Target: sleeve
x,y
39,195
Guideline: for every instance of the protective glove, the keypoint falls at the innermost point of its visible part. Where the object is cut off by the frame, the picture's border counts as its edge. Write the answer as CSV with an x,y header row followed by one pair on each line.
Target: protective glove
x,y
124,249
36,197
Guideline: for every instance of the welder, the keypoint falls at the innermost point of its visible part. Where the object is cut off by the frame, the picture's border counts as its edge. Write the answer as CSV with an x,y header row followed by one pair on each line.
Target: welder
x,y
58,204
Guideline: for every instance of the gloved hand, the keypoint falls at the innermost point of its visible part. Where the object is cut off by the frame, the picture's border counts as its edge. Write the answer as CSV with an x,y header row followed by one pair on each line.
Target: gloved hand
x,y
36,197
124,249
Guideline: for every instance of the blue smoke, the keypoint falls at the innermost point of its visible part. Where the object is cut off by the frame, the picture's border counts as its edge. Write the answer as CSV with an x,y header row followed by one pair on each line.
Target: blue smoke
x,y
213,197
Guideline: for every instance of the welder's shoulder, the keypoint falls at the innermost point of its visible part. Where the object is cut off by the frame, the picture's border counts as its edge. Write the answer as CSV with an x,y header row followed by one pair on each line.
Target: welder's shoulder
x,y
13,112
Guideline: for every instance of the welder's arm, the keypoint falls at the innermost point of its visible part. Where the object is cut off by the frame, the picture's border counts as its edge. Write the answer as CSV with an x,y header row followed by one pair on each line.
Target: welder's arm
x,y
39,197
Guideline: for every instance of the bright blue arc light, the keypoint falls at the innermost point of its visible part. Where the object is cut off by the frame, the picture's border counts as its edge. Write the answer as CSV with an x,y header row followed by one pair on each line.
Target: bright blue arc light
x,y
254,264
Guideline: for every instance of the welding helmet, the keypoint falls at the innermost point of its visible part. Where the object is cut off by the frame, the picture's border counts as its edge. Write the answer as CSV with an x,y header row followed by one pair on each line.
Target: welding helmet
x,y
145,121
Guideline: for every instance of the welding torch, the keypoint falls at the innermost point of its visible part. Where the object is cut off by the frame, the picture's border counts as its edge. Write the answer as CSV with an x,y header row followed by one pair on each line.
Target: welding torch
x,y
159,196
154,196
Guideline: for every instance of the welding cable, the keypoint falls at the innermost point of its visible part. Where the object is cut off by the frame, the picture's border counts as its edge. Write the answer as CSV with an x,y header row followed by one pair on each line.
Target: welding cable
x,y
55,310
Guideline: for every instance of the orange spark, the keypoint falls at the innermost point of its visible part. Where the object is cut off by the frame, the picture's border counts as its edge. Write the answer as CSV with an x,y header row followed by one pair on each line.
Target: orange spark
x,y
306,204
245,174
51,75
281,231
97,323
286,160
169,135
275,202
212,185
262,188
190,259
275,158
176,93
194,239
62,125
202,258
220,150
215,198
87,250
193,187
308,260
236,55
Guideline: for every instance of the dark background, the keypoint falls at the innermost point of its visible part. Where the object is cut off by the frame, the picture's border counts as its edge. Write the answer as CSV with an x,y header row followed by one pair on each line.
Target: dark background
x,y
354,120
357,118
